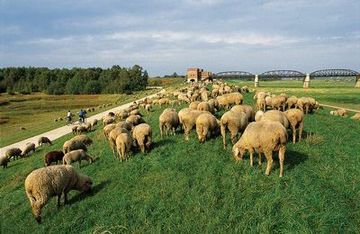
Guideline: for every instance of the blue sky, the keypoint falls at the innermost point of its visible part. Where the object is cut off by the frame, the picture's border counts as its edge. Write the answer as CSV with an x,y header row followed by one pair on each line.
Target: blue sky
x,y
169,36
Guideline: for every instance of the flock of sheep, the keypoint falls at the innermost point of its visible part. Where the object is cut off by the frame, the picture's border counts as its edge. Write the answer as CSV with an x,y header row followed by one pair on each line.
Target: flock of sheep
x,y
263,131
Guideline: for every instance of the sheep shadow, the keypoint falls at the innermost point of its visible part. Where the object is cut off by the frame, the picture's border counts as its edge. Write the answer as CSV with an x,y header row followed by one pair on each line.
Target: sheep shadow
x,y
162,142
95,189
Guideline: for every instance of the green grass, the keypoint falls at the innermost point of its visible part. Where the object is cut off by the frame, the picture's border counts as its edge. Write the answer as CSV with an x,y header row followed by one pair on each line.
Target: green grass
x,y
191,187
37,112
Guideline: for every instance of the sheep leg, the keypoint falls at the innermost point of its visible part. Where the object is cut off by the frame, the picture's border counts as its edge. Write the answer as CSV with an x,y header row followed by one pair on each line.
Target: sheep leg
x,y
58,202
259,161
281,159
65,198
36,206
223,134
301,127
161,130
251,158
293,133
269,159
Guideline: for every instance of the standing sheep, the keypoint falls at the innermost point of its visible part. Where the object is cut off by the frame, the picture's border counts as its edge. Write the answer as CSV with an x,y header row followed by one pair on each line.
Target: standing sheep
x,y
142,134
168,121
296,120
263,137
107,129
206,126
83,138
13,153
236,122
44,140
71,145
44,183
76,156
194,105
275,115
204,106
248,110
113,135
228,99
123,142
188,120
30,147
4,160
134,119
53,156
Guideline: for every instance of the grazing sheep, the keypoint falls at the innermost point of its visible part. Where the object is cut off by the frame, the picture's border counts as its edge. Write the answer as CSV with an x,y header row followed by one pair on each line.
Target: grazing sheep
x,y
108,120
148,107
122,114
278,103
107,129
123,142
44,140
204,106
206,126
263,137
168,121
135,112
83,138
74,129
76,156
71,145
142,134
291,102
188,120
215,93
228,99
183,97
81,129
194,105
4,160
44,183
13,153
339,112
53,156
236,122
134,120
214,104
296,120
276,115
94,122
307,104
248,110
356,116
113,135
205,95
30,147
258,115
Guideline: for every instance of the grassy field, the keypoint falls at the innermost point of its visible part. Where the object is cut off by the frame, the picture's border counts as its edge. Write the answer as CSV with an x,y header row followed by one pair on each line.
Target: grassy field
x,y
37,112
191,187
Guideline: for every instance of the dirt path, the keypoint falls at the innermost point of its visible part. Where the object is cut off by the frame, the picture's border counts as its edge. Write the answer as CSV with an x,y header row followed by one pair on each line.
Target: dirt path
x,y
59,132
339,107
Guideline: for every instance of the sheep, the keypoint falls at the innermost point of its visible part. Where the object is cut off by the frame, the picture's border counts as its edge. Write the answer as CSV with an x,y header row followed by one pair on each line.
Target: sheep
x,y
71,145
142,134
123,142
339,112
188,120
296,120
124,124
168,121
291,102
229,99
13,153
356,116
74,129
4,160
215,93
30,147
83,138
275,115
204,106
148,107
263,137
214,104
94,122
44,183
306,104
164,101
113,135
278,103
122,114
107,129
194,105
53,156
236,122
44,140
108,120
258,115
183,97
206,126
135,112
81,129
76,155
248,110
134,119
205,95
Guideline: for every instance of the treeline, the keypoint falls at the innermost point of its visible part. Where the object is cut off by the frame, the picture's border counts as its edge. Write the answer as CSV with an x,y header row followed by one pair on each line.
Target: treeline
x,y
116,79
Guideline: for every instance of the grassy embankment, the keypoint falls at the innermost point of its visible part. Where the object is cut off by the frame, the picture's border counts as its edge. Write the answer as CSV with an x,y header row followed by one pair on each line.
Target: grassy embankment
x,y
190,187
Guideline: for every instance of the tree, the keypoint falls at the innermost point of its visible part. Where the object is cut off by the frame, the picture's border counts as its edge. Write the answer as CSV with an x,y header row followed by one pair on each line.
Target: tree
x,y
92,87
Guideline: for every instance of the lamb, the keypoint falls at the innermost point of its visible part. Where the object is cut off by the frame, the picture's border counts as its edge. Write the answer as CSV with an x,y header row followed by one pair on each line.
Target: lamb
x,y
275,115
194,105
206,126
44,140
123,142
236,122
188,120
53,156
76,155
142,134
248,110
44,183
107,129
113,135
30,147
134,119
71,145
263,137
168,121
356,116
13,153
4,160
204,106
296,120
83,138
230,99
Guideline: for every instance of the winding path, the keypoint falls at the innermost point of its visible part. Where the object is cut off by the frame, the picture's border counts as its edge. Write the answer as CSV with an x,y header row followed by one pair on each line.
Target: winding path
x,y
59,132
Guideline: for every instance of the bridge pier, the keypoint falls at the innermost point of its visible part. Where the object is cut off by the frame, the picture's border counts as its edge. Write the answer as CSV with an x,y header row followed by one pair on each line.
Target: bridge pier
x,y
357,84
306,81
256,81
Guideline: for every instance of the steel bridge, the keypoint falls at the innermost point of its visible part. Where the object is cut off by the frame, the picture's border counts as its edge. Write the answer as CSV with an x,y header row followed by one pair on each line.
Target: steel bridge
x,y
333,73
282,75
235,75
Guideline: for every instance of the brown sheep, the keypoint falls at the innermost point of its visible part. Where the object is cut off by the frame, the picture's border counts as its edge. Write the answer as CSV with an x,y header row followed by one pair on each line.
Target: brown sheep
x,y
4,160
74,129
30,147
13,153
53,156
296,120
44,140
263,137
142,134
168,121
123,142
206,126
236,122
94,122
44,183
76,156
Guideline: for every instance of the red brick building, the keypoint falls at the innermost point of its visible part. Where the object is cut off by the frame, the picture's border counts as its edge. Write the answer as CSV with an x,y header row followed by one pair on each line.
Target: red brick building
x,y
197,74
